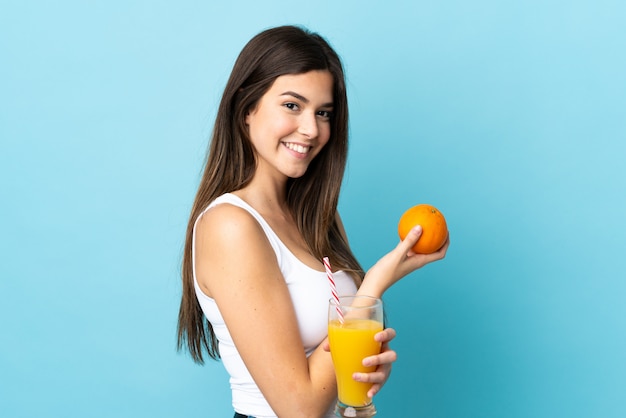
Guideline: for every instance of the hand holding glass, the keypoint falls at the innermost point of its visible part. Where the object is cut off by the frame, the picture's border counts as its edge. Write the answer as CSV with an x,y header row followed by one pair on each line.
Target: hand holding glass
x,y
352,324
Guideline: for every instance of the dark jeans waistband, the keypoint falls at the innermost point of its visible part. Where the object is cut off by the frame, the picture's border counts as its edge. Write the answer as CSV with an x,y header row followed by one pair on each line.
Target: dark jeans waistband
x,y
238,415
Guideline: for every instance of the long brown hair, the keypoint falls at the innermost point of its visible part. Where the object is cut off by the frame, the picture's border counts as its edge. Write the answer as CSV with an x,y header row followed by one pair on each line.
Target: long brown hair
x,y
231,163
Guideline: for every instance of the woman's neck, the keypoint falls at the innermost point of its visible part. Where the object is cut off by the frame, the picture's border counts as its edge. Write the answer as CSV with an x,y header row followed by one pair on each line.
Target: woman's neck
x,y
268,197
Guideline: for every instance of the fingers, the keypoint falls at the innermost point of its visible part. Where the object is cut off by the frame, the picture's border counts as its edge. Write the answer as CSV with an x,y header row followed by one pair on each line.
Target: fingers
x,y
374,377
385,358
385,335
374,390
440,253
411,260
381,361
410,239
416,261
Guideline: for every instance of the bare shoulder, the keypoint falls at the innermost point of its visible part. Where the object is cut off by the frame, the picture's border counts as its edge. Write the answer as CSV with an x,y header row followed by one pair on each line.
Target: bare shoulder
x,y
237,267
230,243
226,222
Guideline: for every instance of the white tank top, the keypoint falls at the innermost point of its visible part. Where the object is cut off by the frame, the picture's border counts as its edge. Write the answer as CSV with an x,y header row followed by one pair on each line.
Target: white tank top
x,y
310,292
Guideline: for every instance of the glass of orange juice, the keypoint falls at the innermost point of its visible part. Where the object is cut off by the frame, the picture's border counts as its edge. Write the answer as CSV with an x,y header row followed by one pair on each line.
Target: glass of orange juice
x,y
352,323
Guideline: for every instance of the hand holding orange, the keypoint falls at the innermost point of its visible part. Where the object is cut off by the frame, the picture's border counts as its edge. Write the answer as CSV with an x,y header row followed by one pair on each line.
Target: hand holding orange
x,y
434,227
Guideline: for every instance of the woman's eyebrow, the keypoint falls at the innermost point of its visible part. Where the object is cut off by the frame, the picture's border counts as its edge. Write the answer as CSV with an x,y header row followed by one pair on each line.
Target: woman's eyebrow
x,y
302,98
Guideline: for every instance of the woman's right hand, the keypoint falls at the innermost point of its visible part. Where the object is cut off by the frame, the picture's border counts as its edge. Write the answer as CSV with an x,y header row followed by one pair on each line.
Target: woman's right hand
x,y
383,361
398,263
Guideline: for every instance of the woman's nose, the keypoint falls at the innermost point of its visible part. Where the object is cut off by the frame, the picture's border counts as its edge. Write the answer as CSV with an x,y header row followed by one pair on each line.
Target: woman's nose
x,y
308,125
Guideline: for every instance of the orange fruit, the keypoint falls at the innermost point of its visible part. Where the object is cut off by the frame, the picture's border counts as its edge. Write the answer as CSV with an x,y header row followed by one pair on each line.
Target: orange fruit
x,y
434,227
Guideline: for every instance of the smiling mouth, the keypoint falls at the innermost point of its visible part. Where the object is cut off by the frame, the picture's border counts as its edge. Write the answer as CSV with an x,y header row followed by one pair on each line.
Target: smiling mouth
x,y
297,148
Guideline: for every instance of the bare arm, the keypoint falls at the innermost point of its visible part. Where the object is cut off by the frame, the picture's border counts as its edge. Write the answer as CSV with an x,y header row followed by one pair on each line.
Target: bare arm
x,y
398,263
237,267
387,271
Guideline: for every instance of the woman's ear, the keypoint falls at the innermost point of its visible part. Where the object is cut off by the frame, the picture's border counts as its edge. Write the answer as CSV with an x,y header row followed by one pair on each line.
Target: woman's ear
x,y
249,114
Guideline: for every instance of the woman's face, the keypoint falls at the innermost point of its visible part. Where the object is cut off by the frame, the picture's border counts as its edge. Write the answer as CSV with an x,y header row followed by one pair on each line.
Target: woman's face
x,y
291,123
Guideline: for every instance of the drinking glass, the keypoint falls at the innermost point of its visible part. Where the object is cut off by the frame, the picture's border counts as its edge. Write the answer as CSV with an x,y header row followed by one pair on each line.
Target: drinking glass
x,y
352,323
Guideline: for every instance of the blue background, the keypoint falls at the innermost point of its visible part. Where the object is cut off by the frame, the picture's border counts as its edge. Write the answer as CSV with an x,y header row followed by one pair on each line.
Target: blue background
x,y
508,116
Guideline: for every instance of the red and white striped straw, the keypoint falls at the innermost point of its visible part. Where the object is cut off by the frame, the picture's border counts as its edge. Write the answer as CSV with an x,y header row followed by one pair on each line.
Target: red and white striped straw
x,y
333,288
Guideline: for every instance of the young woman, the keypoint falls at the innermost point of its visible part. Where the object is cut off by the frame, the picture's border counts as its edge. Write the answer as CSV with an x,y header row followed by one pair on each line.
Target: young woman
x,y
254,288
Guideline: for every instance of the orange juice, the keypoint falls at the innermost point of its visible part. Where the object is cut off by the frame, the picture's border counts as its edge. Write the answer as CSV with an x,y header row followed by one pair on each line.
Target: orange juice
x,y
350,343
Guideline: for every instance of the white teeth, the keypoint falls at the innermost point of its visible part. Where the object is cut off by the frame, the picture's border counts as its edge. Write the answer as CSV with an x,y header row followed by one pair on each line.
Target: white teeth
x,y
298,148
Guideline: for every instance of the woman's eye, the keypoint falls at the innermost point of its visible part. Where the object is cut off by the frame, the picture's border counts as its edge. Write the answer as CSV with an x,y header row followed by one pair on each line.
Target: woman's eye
x,y
326,114
291,106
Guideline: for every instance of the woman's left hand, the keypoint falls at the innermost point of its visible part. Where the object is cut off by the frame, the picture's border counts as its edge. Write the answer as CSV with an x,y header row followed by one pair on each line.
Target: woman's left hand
x,y
398,263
